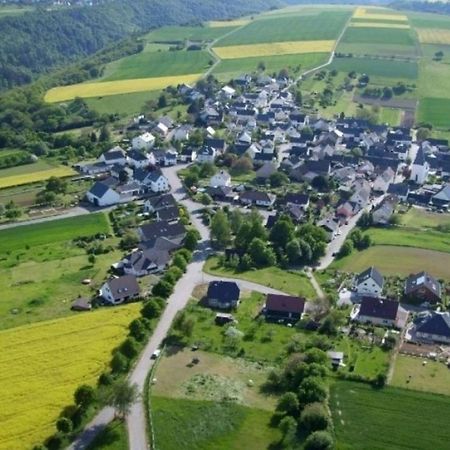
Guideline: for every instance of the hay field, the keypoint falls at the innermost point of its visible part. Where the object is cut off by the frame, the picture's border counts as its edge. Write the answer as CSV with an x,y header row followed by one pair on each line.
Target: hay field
x,y
86,90
228,23
433,36
363,13
379,25
42,364
276,48
33,176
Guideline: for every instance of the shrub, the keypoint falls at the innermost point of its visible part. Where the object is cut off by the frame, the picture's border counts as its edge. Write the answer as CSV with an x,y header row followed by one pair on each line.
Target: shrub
x,y
151,309
64,425
129,347
319,440
84,396
119,363
314,417
105,379
312,390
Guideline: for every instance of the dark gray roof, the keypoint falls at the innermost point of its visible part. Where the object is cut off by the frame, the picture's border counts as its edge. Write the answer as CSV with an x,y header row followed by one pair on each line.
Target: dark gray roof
x,y
379,308
255,196
154,230
297,199
124,286
223,291
422,279
168,214
136,155
438,324
373,273
143,259
162,201
401,189
420,157
99,189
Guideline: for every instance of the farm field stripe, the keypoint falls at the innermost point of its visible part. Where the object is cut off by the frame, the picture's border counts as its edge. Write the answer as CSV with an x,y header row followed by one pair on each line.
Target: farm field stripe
x,y
86,90
433,36
227,23
379,25
276,48
361,13
34,177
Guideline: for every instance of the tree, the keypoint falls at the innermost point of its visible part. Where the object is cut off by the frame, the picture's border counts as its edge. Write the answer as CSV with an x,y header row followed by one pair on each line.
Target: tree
x,y
129,240
162,289
91,259
119,364
191,240
319,440
330,325
321,183
180,262
162,101
423,134
191,180
315,355
288,427
64,425
387,93
288,403
207,170
261,66
312,390
151,309
314,417
346,249
129,347
282,232
84,396
205,199
293,251
220,229
105,135
278,179
122,397
260,254
56,185
138,329
242,165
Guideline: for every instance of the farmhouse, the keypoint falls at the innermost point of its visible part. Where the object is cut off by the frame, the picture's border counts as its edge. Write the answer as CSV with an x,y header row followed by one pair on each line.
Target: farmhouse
x,y
223,294
284,307
369,282
101,194
121,289
422,287
435,328
379,311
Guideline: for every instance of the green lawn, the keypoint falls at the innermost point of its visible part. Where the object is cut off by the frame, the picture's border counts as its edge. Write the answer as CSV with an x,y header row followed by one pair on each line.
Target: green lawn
x,y
377,67
389,36
113,437
30,236
435,111
324,25
421,218
158,64
176,33
388,419
38,166
391,116
291,282
411,373
394,260
200,425
385,49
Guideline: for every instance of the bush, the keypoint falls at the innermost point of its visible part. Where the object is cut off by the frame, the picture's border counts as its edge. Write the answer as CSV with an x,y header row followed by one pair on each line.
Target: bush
x,y
84,396
138,330
319,440
119,363
314,417
64,425
288,403
54,442
173,274
151,309
162,289
312,390
129,347
105,379
180,262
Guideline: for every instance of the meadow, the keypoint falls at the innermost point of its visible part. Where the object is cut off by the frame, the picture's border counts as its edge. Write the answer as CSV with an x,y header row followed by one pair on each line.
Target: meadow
x,y
388,419
42,364
421,218
435,111
186,425
86,90
32,173
378,36
178,33
378,14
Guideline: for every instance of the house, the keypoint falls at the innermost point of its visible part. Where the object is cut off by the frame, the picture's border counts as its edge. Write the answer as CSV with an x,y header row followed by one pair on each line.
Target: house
x,y
378,311
100,194
221,193
143,262
227,92
400,190
223,294
152,231
435,328
442,198
206,155
170,158
187,155
171,214
369,282
422,287
383,213
382,182
161,129
284,307
420,168
331,227
266,170
347,209
158,182
143,142
116,155
221,178
161,202
301,200
257,198
121,289
138,159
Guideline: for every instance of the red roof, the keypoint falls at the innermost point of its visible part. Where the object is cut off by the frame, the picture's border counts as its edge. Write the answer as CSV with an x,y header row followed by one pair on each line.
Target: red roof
x,y
285,303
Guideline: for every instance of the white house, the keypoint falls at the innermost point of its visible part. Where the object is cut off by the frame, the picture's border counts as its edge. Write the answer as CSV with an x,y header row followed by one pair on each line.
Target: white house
x,y
114,156
228,92
382,182
143,142
158,182
221,178
206,154
138,160
101,194
370,282
118,290
381,312
435,328
420,168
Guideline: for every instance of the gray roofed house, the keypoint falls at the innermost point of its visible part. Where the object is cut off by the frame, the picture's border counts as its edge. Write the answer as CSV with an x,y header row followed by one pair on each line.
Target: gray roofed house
x,y
151,231
378,311
120,289
400,190
223,294
170,214
154,204
383,213
435,328
100,194
422,287
143,262
369,282
257,198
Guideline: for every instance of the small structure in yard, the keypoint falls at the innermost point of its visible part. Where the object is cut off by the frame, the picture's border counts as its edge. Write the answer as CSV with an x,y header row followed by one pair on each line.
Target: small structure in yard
x,y
336,358
284,307
223,318
223,294
81,304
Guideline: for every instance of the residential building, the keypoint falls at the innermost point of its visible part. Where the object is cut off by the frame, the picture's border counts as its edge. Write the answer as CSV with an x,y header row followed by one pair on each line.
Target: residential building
x,y
420,168
223,294
120,289
284,307
422,287
380,312
101,194
257,198
435,328
370,282
143,142
221,178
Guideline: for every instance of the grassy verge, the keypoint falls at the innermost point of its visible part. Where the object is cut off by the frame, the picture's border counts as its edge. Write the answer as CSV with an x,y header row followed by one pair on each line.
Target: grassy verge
x,y
113,437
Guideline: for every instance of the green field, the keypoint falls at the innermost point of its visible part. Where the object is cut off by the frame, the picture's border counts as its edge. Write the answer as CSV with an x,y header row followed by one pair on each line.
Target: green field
x,y
290,282
158,64
420,218
411,373
378,36
377,67
393,260
385,49
175,33
388,419
321,26
423,20
200,425
435,111
391,116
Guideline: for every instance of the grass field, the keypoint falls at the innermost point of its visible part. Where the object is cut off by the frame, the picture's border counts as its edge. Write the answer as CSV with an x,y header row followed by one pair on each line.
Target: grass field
x,y
411,373
377,67
388,419
433,36
32,173
391,116
179,33
378,14
158,64
11,10
293,283
405,51
423,20
378,36
324,25
420,218
86,90
228,23
394,260
200,425
376,24
42,364
274,48
113,437
435,111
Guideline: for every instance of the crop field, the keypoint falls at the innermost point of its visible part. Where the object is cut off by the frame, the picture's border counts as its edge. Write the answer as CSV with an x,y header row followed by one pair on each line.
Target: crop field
x,y
178,33
391,116
186,425
388,419
375,24
378,14
434,36
85,90
321,26
377,67
422,20
228,23
158,64
378,36
396,260
411,373
42,364
32,173
275,48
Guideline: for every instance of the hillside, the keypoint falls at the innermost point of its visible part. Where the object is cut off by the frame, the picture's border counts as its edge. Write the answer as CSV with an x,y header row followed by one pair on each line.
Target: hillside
x,y
44,40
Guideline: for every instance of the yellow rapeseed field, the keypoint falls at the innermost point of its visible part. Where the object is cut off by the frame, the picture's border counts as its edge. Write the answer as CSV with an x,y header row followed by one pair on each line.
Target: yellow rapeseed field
x,y
34,177
85,90
379,25
361,13
275,48
433,36
228,23
42,364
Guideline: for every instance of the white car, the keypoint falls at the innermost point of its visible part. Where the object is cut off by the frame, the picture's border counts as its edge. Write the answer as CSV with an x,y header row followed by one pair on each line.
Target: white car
x,y
155,354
